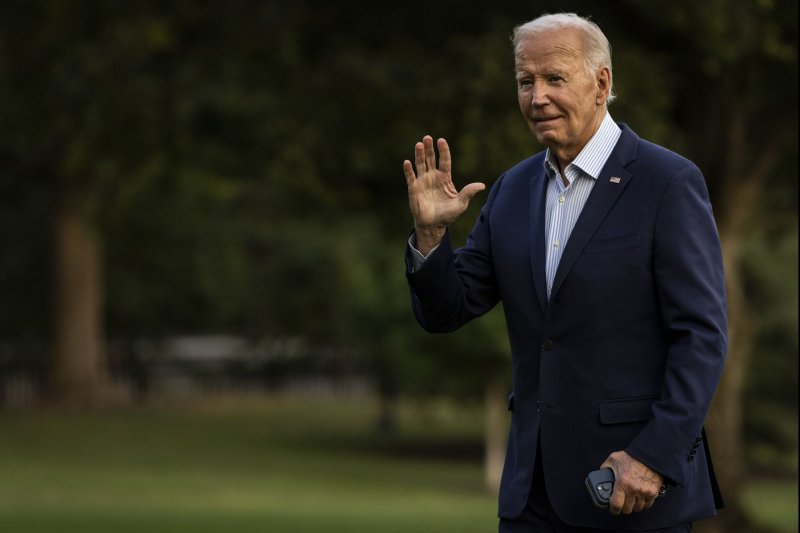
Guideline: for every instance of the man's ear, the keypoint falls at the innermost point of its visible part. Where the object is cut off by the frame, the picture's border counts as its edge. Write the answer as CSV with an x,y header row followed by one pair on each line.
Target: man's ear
x,y
603,81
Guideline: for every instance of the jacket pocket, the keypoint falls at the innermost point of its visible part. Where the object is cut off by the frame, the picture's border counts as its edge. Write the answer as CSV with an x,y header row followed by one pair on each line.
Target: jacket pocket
x,y
626,410
613,243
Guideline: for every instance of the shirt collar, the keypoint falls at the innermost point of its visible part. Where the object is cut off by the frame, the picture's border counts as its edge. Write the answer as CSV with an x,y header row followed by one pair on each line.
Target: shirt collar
x,y
594,155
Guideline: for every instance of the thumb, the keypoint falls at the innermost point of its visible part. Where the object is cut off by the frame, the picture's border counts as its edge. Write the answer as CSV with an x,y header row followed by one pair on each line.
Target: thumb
x,y
469,191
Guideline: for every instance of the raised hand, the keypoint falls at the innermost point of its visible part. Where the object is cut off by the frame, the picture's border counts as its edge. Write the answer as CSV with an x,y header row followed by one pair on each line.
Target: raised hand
x,y
435,203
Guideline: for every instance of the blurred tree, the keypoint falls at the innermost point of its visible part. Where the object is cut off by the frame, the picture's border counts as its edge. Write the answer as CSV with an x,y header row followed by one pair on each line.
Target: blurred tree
x,y
70,83
770,417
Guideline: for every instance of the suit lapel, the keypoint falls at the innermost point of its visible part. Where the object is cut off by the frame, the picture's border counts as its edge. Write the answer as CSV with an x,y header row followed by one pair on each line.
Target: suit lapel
x,y
536,238
609,186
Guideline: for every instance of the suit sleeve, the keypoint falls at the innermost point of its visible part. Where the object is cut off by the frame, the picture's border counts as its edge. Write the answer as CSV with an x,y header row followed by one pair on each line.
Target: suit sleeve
x,y
452,287
691,290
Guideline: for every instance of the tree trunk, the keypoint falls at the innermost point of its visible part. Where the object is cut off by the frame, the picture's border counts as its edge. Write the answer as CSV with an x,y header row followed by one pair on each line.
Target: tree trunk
x,y
78,372
724,422
496,429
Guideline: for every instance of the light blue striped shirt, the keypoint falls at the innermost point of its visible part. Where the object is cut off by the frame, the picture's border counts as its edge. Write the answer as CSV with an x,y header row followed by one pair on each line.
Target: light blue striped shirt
x,y
565,202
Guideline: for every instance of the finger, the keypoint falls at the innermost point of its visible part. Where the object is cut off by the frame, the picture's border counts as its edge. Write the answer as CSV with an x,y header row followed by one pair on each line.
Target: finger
x,y
408,170
445,163
617,500
649,503
650,498
419,158
630,503
469,191
639,505
430,154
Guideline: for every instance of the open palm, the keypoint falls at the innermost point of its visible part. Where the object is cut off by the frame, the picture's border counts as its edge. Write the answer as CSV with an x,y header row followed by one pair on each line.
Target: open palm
x,y
435,203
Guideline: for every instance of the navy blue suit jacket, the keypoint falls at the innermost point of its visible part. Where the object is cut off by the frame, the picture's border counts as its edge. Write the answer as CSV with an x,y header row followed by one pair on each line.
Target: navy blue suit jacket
x,y
628,350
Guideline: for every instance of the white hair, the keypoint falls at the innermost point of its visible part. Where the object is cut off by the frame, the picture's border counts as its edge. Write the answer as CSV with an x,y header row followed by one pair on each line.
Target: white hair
x,y
597,49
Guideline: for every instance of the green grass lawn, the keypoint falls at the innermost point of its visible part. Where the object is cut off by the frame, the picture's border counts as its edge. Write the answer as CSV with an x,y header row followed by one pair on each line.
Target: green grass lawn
x,y
237,466
262,465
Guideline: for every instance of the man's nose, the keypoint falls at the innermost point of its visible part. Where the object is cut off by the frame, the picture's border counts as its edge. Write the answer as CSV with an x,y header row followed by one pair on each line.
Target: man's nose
x,y
539,94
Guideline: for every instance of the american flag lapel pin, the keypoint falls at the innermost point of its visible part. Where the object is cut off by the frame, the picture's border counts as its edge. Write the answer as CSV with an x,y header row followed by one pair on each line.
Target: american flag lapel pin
x,y
615,179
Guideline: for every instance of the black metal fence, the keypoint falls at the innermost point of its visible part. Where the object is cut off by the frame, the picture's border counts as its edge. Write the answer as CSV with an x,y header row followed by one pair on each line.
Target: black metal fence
x,y
183,366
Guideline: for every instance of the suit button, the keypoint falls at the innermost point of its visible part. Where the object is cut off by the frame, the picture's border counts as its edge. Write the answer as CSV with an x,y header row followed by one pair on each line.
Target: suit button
x,y
547,344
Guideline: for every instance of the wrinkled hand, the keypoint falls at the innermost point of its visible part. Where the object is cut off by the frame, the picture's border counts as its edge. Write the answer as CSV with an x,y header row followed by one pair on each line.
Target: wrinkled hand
x,y
636,486
435,203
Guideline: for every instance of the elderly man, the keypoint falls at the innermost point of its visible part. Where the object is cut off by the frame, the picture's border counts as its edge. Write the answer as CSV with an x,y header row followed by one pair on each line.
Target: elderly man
x,y
604,252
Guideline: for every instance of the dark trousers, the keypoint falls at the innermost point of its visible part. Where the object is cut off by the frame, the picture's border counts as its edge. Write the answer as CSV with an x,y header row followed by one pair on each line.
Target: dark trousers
x,y
539,516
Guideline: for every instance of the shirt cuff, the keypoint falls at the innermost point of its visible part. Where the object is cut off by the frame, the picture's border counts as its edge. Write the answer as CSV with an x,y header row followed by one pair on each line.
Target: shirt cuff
x,y
417,259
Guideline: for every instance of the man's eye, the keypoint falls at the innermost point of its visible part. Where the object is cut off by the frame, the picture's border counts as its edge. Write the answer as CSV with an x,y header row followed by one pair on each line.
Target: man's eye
x,y
555,79
523,83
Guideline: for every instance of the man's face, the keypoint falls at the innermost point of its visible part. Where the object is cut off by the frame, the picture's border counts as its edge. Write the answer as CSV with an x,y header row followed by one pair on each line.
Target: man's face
x,y
561,101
